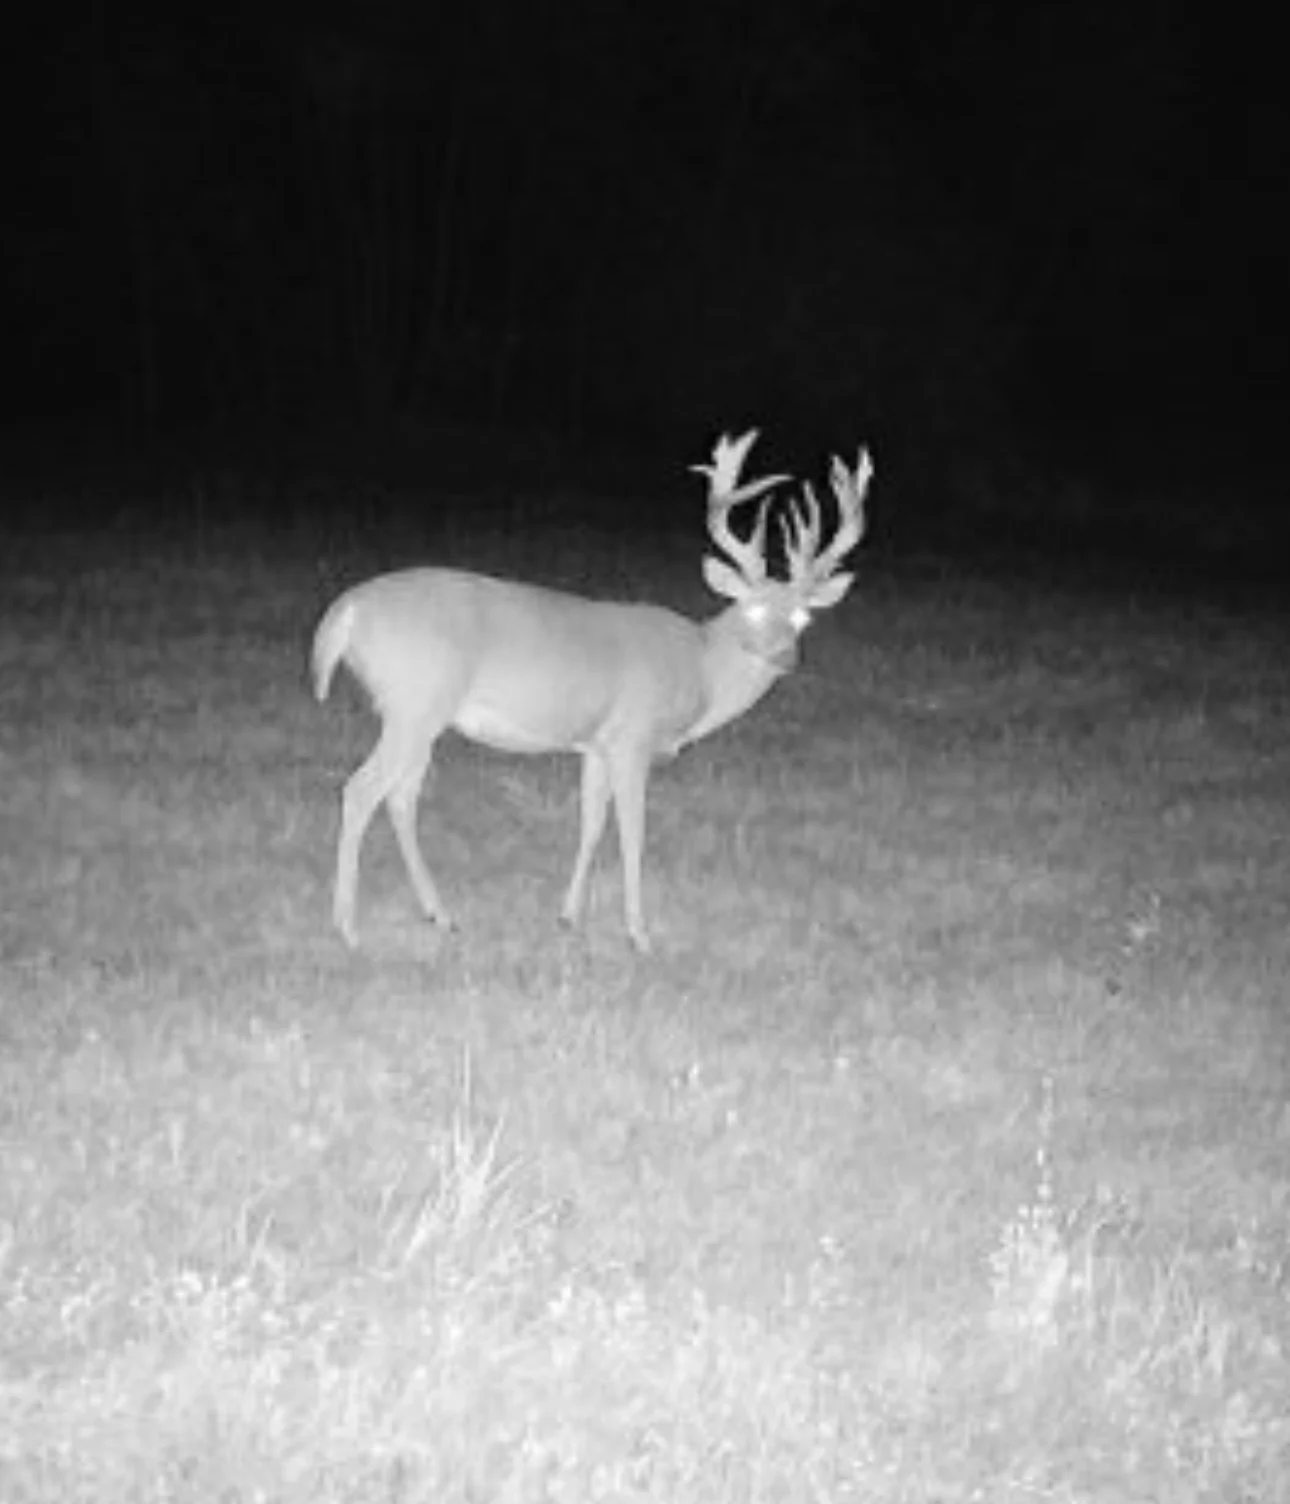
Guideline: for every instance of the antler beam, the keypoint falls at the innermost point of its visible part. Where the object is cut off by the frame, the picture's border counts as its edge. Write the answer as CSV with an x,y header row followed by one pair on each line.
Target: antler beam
x,y
801,527
725,493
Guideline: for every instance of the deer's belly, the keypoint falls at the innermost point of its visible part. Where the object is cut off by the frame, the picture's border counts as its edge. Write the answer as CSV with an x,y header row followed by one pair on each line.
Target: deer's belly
x,y
505,733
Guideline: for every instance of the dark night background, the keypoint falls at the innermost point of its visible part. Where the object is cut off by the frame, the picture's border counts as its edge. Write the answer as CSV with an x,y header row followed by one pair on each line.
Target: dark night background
x,y
1014,247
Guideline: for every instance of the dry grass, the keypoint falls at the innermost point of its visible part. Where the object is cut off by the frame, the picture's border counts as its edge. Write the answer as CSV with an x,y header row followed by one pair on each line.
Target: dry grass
x,y
942,1153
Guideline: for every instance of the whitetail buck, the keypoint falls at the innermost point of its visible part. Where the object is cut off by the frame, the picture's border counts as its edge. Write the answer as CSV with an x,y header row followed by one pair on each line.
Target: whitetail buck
x,y
524,669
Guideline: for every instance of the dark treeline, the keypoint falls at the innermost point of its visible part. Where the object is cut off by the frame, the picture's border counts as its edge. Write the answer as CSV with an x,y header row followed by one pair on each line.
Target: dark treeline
x,y
935,225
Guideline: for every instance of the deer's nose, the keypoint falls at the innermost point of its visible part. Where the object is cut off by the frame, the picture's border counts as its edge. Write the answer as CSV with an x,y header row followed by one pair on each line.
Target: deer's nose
x,y
783,655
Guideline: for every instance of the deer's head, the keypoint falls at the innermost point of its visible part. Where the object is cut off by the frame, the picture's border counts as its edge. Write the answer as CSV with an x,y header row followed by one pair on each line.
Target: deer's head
x,y
769,615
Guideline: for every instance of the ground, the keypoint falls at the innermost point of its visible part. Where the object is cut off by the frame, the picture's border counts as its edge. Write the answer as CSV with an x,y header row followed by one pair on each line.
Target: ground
x,y
940,1151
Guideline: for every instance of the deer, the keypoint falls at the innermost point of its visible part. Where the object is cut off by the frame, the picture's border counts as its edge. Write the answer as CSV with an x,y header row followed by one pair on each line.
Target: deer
x,y
526,669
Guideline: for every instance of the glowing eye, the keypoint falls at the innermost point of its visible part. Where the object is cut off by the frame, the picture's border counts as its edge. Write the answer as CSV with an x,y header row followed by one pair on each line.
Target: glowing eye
x,y
801,618
756,613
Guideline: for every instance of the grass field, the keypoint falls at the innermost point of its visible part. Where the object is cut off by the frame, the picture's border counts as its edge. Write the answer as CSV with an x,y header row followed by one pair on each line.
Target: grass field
x,y
941,1152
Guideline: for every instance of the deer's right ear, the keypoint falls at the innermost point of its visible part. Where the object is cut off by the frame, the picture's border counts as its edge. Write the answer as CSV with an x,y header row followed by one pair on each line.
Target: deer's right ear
x,y
724,579
829,592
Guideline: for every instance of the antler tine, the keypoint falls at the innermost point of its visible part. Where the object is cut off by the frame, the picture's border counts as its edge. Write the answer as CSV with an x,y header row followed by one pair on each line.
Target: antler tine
x,y
849,490
800,529
725,492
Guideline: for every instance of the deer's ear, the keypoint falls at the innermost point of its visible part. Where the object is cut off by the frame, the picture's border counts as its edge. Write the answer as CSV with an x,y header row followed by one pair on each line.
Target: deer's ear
x,y
724,579
829,592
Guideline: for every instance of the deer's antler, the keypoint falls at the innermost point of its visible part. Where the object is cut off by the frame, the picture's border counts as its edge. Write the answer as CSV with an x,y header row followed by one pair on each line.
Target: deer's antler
x,y
801,524
725,493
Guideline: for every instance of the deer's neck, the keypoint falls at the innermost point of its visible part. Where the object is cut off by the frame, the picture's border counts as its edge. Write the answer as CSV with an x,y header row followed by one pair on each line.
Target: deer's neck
x,y
735,679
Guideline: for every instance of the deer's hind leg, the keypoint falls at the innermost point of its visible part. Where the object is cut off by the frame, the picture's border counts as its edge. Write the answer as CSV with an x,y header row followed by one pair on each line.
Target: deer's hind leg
x,y
393,775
